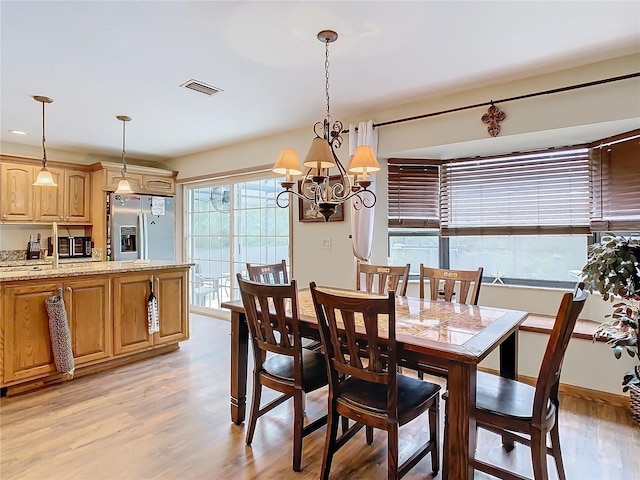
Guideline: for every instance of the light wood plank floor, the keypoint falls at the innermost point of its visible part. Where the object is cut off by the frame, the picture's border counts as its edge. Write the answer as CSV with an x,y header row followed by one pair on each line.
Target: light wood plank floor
x,y
168,418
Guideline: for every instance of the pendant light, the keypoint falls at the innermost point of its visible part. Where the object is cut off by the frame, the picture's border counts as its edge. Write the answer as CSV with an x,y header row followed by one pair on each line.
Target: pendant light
x,y
124,187
44,178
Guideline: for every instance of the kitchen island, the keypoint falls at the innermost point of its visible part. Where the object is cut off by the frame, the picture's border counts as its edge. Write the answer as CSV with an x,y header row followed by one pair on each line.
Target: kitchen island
x,y
106,308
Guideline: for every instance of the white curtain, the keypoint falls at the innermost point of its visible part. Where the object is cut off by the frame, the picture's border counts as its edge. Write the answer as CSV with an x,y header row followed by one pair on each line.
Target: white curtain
x,y
362,220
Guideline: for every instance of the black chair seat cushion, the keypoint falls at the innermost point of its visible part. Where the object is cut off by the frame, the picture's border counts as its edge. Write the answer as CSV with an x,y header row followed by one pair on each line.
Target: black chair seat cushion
x,y
503,396
411,393
314,369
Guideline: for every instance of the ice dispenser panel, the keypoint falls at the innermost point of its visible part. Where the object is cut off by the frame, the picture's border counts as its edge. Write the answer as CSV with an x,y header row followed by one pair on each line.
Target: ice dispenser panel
x,y
128,239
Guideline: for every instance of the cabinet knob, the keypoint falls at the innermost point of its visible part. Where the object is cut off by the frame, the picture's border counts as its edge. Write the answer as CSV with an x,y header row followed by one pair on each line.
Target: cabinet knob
x,y
4,216
61,217
68,289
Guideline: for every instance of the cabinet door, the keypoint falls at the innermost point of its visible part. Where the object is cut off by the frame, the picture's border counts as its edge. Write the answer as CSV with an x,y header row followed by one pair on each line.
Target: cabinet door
x,y
89,316
130,328
16,198
27,344
49,201
171,291
157,184
77,208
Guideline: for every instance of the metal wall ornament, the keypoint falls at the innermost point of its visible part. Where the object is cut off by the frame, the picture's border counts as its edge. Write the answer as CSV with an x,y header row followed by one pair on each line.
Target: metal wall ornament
x,y
493,117
319,188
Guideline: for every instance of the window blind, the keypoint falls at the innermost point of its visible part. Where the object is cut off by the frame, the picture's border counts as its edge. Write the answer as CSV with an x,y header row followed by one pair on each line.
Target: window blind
x,y
518,194
413,188
615,175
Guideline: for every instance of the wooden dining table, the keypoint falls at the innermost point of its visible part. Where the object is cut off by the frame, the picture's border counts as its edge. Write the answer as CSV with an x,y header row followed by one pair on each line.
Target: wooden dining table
x,y
451,337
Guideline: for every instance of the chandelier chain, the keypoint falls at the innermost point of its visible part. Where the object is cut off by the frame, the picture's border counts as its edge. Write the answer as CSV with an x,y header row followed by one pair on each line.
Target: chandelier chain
x,y
326,75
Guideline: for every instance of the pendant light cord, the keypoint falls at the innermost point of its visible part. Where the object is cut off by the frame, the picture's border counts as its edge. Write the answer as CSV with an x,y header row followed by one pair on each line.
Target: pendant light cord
x,y
44,150
326,76
124,153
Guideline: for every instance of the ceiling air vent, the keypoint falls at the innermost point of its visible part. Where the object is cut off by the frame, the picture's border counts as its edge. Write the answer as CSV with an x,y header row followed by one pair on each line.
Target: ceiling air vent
x,y
201,87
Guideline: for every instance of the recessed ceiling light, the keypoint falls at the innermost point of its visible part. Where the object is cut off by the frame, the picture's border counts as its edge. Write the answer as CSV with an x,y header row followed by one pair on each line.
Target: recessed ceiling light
x,y
18,132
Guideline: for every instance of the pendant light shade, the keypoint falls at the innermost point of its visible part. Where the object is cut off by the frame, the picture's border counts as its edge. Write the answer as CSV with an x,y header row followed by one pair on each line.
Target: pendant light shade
x,y
364,161
44,178
124,187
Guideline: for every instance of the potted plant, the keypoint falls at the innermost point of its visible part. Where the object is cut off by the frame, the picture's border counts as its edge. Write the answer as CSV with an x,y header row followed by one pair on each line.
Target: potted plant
x,y
613,269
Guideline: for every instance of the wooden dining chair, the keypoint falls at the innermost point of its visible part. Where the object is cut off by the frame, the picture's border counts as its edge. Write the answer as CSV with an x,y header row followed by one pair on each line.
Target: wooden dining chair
x,y
525,414
444,284
280,362
275,273
363,383
382,278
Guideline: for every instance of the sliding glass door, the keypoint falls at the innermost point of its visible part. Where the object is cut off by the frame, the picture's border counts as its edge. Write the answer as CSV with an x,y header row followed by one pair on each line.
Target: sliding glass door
x,y
228,225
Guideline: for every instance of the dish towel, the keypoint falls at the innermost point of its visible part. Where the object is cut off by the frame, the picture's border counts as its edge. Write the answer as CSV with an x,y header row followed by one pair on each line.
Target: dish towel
x,y
153,320
60,335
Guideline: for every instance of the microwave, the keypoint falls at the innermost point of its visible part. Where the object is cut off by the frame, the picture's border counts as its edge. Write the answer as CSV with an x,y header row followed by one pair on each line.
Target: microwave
x,y
71,247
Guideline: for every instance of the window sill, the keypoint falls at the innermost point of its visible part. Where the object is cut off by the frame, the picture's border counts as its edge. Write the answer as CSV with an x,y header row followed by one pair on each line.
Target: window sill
x,y
584,329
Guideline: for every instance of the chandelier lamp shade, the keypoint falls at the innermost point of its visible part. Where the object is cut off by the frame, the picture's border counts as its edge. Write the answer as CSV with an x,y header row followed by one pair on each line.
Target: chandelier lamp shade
x,y
124,187
44,178
323,188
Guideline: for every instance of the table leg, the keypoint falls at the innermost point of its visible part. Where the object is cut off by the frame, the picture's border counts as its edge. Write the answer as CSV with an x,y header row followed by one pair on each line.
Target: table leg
x,y
509,369
239,351
461,407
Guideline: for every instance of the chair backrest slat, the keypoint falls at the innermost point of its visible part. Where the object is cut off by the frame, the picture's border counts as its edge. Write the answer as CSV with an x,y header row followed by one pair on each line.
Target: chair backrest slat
x,y
381,279
443,284
275,273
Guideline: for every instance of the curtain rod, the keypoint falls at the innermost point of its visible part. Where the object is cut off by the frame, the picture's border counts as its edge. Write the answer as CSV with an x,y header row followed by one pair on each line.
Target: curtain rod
x,y
504,100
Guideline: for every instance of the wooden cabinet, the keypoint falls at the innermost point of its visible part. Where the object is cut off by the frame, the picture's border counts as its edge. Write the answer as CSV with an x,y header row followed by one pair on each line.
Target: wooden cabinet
x,y
130,327
131,293
27,344
88,305
142,183
20,201
16,198
107,318
171,291
69,202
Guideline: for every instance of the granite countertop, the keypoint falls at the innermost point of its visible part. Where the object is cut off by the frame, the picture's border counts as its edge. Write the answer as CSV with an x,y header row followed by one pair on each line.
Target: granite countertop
x,y
73,269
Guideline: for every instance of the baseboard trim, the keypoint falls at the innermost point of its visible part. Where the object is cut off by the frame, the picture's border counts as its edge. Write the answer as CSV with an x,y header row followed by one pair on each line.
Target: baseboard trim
x,y
583,393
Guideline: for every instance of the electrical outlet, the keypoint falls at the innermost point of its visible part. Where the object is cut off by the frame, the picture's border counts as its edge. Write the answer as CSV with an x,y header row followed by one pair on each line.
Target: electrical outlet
x,y
326,244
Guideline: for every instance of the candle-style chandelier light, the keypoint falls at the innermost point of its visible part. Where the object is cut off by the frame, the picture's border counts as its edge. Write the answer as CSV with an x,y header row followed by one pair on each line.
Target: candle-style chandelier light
x,y
324,190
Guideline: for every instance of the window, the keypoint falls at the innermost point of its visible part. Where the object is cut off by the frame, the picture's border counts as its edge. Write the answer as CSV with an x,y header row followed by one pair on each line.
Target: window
x,y
523,217
616,183
228,225
525,194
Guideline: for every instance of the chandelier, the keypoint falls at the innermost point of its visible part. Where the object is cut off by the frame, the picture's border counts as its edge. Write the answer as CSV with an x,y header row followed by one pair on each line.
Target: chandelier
x,y
322,189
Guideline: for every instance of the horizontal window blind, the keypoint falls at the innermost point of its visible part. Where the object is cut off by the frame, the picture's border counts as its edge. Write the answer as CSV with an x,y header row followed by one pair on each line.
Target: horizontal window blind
x,y
517,194
413,195
616,185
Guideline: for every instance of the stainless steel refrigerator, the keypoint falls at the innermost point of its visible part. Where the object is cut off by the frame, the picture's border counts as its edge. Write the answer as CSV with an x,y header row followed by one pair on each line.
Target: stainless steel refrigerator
x,y
140,227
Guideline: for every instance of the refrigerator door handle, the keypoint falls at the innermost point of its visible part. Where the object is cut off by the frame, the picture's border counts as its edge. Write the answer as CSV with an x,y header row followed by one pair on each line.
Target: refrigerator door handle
x,y
144,245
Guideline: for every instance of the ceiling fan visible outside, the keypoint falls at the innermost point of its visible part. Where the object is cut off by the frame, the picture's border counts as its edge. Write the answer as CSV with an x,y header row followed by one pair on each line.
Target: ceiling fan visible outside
x,y
219,198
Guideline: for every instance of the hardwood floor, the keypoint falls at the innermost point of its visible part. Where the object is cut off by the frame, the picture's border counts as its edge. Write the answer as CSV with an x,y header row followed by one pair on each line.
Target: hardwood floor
x,y
168,418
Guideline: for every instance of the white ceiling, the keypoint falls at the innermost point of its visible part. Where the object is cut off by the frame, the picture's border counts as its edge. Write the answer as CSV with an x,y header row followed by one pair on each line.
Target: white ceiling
x,y
98,59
